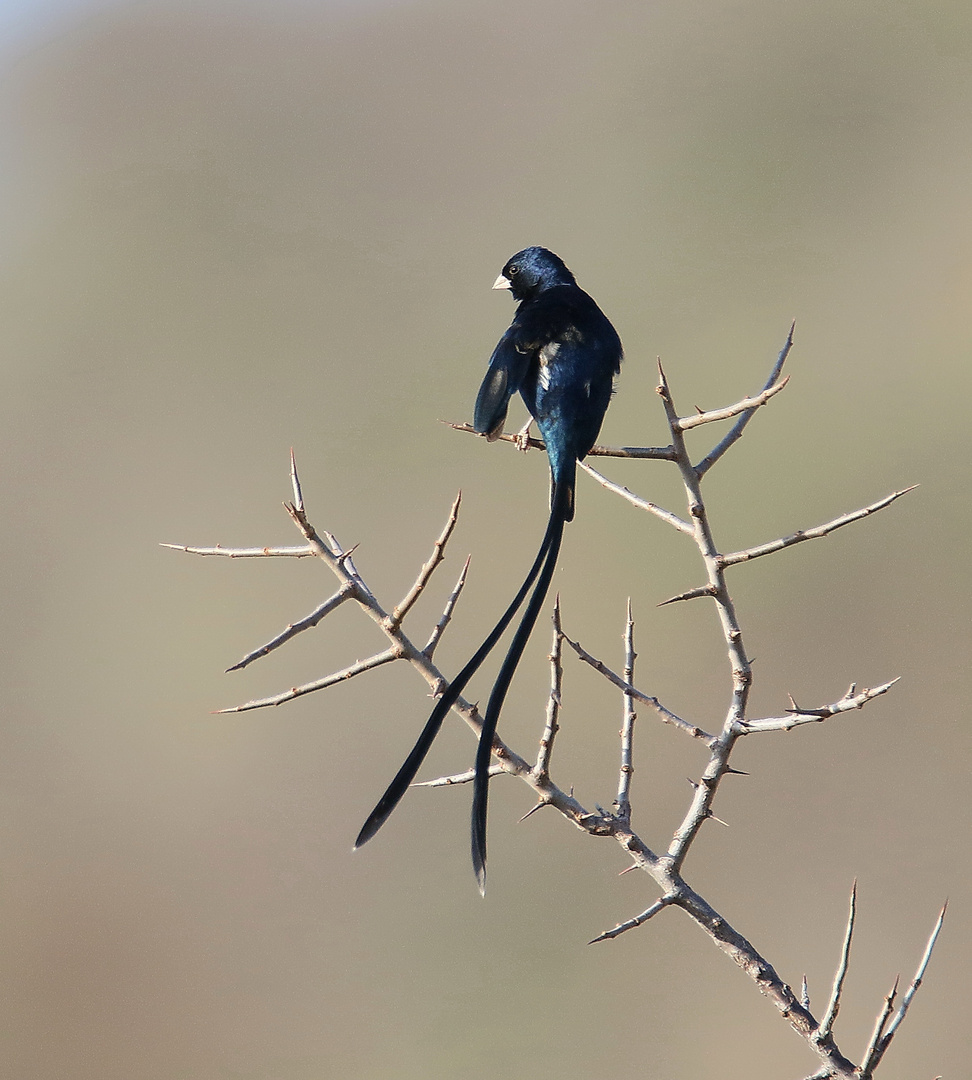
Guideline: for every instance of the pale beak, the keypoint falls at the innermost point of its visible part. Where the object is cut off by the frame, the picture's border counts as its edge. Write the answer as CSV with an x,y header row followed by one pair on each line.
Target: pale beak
x,y
501,283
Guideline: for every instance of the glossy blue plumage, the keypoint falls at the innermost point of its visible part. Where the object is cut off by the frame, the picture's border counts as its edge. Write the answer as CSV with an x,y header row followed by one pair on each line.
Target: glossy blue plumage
x,y
561,354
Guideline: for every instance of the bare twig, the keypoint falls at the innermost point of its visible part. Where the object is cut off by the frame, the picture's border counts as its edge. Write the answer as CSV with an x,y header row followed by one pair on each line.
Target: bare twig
x,y
642,504
329,605
737,429
885,1041
812,534
446,616
438,554
692,594
638,920
750,404
457,778
628,717
658,453
882,1019
797,717
666,714
301,552
720,746
833,1005
551,726
361,666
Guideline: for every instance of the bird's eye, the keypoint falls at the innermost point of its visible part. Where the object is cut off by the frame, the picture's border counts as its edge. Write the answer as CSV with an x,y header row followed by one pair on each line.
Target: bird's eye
x,y
513,271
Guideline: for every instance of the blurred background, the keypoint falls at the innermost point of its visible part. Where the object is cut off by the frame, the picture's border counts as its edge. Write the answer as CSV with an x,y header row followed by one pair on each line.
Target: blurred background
x,y
232,228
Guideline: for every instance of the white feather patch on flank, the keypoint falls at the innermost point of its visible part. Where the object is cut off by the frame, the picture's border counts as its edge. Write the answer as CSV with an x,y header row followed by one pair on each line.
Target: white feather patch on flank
x,y
547,356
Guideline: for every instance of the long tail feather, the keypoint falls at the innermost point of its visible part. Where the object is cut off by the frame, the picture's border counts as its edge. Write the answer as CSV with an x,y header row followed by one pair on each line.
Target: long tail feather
x,y
406,774
562,504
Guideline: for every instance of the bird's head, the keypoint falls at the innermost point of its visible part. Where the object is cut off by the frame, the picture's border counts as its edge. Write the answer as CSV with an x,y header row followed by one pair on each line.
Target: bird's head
x,y
532,270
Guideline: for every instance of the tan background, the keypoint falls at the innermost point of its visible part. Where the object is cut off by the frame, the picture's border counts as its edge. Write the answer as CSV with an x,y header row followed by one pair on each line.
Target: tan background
x,y
229,229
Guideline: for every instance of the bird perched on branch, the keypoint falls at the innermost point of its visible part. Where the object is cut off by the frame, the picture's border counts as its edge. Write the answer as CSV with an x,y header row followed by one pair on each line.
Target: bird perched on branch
x,y
561,354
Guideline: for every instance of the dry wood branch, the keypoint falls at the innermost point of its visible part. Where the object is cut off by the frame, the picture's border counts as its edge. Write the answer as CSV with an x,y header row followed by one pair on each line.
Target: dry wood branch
x,y
446,617
642,504
766,979
457,778
638,920
721,746
438,554
657,453
885,1040
551,724
879,1025
749,404
812,534
628,717
797,716
329,605
301,552
692,594
833,1005
666,714
737,429
361,666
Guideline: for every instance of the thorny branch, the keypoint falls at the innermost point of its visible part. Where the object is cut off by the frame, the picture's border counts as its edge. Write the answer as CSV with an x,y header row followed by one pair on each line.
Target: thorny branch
x,y
665,867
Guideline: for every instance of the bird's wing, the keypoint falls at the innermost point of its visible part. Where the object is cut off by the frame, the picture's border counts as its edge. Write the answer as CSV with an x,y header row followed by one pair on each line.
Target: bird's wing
x,y
507,366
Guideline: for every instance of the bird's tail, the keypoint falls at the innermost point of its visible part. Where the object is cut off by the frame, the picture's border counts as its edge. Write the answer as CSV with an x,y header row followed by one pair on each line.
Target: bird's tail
x,y
561,511
406,774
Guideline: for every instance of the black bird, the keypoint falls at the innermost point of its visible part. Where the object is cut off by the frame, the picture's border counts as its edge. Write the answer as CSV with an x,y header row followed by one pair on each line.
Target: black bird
x,y
561,353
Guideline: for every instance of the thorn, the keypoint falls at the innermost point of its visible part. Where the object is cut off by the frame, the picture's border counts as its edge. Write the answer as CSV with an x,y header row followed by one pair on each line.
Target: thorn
x,y
345,555
532,811
714,818
298,497
735,772
628,869
662,388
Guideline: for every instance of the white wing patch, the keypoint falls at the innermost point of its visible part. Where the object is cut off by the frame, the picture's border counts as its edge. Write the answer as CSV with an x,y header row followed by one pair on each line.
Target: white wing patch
x,y
547,356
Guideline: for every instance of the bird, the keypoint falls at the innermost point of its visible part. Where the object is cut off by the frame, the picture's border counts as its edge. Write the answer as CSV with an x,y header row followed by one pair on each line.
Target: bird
x,y
562,355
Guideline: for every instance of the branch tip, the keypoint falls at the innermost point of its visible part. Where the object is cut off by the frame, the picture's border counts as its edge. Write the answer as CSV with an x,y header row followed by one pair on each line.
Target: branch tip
x,y
833,1006
295,482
